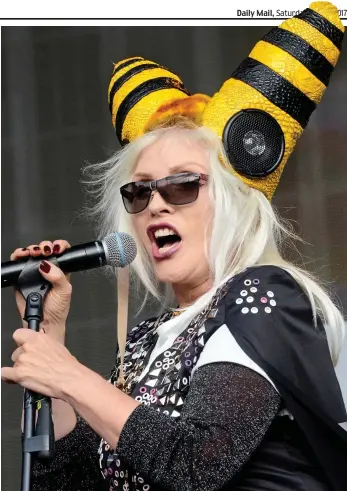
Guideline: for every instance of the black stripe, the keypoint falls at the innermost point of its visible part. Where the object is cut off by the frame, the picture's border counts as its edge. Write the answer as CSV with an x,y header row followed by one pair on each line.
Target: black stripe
x,y
293,44
323,25
133,71
126,63
276,88
138,93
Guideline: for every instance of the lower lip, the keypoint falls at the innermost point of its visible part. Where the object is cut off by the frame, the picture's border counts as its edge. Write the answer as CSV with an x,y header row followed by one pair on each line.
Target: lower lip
x,y
164,255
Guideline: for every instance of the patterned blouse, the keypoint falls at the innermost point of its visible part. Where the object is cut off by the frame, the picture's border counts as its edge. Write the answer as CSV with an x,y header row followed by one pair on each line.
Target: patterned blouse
x,y
210,417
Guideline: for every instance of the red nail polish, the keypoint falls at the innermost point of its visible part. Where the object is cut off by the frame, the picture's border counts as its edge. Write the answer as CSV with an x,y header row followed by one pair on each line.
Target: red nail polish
x,y
25,249
47,249
45,267
56,248
36,248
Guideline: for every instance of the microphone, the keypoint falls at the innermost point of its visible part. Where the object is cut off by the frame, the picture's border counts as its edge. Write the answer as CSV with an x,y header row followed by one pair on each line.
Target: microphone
x,y
117,250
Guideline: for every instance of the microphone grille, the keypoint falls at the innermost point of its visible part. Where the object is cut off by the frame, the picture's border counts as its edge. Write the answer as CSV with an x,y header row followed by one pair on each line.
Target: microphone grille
x,y
120,249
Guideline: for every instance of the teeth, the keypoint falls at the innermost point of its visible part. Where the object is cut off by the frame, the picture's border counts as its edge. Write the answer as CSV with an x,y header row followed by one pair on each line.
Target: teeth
x,y
164,231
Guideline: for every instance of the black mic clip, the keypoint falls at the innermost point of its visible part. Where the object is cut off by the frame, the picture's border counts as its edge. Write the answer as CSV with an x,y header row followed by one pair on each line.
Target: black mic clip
x,y
31,281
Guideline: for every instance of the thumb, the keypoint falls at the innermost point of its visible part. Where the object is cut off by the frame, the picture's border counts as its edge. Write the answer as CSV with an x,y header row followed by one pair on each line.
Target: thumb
x,y
55,276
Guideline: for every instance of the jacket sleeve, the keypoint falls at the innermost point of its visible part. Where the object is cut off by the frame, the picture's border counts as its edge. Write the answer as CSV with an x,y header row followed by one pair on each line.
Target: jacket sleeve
x,y
75,466
226,414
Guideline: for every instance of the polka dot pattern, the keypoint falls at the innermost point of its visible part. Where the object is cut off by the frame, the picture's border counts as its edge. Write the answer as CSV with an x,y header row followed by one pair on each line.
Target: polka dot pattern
x,y
261,298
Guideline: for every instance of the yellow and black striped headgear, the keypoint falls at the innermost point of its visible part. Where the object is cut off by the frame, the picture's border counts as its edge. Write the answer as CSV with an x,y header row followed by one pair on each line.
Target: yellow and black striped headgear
x,y
259,113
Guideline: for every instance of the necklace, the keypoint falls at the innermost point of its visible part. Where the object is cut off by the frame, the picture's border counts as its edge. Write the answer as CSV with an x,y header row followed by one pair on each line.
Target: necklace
x,y
177,311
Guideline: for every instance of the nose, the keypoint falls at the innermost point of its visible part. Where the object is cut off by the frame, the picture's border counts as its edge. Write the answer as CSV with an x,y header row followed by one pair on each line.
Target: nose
x,y
157,203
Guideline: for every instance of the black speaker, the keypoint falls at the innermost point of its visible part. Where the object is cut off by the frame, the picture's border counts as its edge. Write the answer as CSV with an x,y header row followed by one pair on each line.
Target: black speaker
x,y
254,143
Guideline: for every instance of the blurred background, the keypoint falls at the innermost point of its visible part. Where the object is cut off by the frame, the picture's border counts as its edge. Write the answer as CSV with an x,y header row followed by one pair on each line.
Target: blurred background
x,y
55,118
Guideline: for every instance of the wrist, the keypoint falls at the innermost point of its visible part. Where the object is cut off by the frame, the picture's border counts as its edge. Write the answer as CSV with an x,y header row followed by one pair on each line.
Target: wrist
x,y
75,386
56,332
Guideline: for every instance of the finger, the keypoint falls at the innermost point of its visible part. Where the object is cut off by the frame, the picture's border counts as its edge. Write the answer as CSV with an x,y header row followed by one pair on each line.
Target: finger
x,y
35,250
55,275
9,375
20,300
60,246
46,247
23,335
19,253
16,353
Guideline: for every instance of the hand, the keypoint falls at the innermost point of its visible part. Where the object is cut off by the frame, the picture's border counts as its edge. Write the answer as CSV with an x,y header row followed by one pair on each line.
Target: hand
x,y
57,302
41,364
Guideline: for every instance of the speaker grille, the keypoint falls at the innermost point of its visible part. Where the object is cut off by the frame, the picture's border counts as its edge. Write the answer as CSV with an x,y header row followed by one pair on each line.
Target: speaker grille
x,y
254,143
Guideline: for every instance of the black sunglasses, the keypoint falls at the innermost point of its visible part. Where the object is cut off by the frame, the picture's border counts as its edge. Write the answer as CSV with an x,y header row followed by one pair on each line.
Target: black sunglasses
x,y
179,189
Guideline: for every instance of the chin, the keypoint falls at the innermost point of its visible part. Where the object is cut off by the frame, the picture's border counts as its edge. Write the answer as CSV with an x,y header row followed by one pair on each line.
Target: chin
x,y
170,272
167,274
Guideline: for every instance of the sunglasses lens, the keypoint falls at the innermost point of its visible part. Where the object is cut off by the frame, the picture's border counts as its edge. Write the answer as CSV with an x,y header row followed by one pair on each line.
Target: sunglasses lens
x,y
180,190
176,190
135,197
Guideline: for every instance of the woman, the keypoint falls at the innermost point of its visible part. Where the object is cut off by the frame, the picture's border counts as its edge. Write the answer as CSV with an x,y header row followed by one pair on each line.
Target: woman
x,y
227,391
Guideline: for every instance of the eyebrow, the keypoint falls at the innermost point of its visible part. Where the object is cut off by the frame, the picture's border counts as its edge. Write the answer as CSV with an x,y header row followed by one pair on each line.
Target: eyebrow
x,y
172,170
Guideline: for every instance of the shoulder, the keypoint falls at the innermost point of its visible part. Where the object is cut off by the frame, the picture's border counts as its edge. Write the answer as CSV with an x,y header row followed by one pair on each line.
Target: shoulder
x,y
258,276
266,290
265,306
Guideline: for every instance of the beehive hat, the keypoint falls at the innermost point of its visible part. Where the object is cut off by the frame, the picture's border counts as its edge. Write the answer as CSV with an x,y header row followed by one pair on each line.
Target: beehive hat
x,y
259,113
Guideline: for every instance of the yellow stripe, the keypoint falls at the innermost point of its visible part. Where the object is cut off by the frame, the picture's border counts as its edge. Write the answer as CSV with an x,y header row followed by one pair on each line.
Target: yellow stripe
x,y
329,11
139,115
116,65
289,68
121,72
313,37
134,82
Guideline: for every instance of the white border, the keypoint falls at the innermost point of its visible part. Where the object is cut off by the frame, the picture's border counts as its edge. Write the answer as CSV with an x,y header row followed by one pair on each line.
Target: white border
x,y
179,12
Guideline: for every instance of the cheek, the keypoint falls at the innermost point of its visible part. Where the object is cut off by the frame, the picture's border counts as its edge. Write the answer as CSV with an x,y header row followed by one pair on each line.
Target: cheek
x,y
200,220
139,225
203,213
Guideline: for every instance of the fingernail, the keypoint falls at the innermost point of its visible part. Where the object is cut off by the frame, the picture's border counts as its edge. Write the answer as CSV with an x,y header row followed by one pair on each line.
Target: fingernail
x,y
25,249
56,248
45,267
36,248
47,249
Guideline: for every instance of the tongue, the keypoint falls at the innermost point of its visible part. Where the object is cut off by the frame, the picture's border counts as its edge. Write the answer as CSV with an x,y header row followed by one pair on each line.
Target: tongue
x,y
168,244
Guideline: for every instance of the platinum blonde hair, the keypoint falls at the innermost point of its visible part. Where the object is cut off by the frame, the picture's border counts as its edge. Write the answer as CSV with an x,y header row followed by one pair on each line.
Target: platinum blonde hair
x,y
254,235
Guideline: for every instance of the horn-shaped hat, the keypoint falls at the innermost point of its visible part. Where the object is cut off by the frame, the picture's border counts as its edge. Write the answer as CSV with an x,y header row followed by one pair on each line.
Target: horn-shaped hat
x,y
259,113
142,94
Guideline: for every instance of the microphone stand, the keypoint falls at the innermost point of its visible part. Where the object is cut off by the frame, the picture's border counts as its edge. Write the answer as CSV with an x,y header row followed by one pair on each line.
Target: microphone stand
x,y
36,439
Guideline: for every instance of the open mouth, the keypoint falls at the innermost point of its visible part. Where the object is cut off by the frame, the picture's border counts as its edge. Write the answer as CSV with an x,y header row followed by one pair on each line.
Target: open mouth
x,y
165,242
